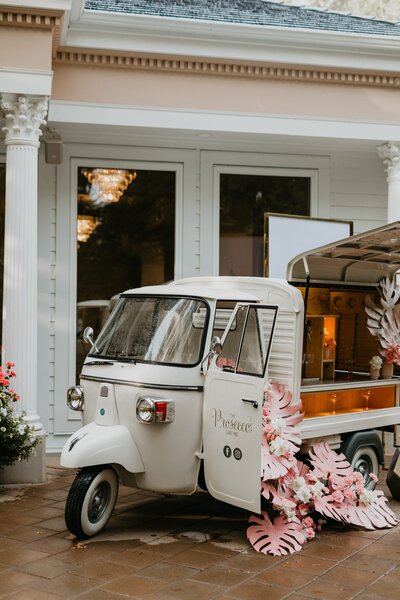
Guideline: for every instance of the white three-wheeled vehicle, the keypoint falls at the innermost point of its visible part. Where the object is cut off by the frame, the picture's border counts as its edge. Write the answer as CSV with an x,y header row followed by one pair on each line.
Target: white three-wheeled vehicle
x,y
172,389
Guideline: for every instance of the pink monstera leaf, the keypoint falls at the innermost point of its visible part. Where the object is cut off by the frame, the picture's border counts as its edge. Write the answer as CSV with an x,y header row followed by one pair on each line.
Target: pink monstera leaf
x,y
327,507
280,496
278,537
327,462
273,466
278,403
374,514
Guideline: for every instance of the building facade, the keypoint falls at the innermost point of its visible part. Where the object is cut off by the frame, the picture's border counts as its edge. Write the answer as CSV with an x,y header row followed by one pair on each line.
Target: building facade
x,y
144,141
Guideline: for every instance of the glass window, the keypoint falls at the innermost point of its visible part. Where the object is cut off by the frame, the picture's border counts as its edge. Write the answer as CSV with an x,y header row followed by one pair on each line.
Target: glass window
x,y
243,201
246,346
158,330
125,239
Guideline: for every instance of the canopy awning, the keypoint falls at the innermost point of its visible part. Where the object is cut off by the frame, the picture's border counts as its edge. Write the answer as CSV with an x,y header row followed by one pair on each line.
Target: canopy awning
x,y
362,259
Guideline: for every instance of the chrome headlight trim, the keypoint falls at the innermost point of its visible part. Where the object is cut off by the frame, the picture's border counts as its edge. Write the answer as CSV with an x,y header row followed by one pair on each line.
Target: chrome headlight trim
x,y
76,398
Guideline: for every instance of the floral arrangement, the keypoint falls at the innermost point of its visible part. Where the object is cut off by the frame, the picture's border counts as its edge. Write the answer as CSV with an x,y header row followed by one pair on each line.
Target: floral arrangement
x,y
392,354
384,320
329,342
302,496
17,440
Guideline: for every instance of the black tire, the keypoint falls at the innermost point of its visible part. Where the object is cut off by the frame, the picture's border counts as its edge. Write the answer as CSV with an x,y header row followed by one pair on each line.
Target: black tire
x,y
365,461
91,501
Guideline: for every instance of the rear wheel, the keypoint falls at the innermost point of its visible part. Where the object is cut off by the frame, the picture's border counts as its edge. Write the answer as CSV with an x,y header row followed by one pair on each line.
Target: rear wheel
x,y
365,461
91,501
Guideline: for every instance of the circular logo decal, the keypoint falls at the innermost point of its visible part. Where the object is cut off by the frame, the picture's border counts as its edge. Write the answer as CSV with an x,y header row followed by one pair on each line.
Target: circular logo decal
x,y
227,451
237,453
102,412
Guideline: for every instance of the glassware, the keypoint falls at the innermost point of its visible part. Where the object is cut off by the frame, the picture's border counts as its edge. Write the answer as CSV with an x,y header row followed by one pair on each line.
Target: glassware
x,y
308,360
366,395
334,397
349,360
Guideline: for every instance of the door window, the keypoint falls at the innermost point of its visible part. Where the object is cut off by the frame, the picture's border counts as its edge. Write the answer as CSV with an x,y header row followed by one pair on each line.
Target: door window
x,y
125,239
243,201
247,342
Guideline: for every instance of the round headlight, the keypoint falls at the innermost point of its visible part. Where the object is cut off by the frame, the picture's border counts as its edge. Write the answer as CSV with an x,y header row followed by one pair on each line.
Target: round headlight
x,y
75,397
145,410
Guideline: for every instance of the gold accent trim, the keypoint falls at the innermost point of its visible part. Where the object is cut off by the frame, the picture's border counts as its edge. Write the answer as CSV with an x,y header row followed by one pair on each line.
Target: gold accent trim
x,y
231,69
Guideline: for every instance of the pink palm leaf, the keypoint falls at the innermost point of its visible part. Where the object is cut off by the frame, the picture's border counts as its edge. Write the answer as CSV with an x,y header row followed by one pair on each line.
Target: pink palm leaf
x,y
327,462
278,538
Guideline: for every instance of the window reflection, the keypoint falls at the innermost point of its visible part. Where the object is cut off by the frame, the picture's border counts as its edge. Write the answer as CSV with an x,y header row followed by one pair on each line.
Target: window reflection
x,y
243,201
125,239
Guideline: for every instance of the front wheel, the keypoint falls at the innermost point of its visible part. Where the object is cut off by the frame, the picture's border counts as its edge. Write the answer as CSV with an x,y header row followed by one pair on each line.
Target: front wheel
x,y
91,500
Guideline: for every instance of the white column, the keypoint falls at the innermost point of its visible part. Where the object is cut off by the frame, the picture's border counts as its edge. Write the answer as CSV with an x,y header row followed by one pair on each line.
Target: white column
x,y
390,154
24,116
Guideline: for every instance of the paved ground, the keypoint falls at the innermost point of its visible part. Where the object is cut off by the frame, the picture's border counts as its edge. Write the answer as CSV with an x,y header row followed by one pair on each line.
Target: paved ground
x,y
178,548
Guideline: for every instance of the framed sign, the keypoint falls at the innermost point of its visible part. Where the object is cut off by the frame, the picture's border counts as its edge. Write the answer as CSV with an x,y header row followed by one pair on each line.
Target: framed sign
x,y
286,236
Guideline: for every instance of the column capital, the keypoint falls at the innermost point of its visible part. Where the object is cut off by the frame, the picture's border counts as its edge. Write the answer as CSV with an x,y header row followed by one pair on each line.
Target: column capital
x,y
390,154
24,116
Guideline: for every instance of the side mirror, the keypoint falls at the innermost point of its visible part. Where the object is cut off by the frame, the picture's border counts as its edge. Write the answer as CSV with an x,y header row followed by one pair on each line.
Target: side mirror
x,y
88,336
215,348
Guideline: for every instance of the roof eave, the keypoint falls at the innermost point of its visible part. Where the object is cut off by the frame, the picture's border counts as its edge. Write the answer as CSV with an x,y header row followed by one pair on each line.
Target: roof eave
x,y
232,41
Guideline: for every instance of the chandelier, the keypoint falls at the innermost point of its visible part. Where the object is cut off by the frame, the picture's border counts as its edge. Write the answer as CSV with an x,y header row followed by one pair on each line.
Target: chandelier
x,y
86,224
108,185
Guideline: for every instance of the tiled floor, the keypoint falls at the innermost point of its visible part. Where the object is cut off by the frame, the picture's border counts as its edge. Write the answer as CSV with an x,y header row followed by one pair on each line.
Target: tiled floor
x,y
178,548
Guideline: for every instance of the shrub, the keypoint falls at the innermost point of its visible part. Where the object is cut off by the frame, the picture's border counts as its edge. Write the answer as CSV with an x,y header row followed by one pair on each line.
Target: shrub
x,y
17,439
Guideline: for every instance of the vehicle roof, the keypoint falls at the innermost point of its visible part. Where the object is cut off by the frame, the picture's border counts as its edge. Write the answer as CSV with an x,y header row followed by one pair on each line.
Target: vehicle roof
x,y
362,259
198,290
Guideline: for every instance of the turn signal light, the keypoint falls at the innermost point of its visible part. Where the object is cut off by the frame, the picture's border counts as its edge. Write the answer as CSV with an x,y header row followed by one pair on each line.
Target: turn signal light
x,y
155,410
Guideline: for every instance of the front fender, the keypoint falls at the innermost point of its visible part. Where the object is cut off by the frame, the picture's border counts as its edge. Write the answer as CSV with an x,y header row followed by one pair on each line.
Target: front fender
x,y
98,444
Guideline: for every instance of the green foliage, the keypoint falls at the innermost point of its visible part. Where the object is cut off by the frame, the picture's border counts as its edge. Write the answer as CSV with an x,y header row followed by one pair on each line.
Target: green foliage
x,y
17,440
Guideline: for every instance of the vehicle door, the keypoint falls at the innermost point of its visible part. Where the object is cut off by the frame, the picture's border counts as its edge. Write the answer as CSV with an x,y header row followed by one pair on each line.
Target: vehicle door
x,y
233,399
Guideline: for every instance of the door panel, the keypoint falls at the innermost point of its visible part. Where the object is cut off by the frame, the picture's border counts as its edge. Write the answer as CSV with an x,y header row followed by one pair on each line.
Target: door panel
x,y
233,401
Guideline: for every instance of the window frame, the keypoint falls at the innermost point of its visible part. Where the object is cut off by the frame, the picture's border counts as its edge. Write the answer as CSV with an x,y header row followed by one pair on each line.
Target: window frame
x,y
213,164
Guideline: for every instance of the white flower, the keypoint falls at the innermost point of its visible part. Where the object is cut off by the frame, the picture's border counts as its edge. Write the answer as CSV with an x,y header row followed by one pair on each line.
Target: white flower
x,y
317,488
3,411
278,425
303,494
297,483
279,446
366,497
21,429
290,514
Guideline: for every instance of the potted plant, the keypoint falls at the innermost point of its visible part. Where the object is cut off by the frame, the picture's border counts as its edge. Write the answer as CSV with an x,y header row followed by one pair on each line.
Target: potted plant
x,y
17,440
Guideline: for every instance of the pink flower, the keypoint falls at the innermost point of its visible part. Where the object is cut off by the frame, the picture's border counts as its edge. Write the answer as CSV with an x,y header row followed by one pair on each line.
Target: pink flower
x,y
349,494
373,477
392,354
359,487
303,509
308,522
337,496
310,533
10,365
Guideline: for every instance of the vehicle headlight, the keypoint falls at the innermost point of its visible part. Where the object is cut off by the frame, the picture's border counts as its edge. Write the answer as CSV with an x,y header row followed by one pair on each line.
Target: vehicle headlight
x,y
75,397
155,410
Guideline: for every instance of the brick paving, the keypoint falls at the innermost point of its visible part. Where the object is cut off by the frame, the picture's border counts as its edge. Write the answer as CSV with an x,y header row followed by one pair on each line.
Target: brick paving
x,y
178,548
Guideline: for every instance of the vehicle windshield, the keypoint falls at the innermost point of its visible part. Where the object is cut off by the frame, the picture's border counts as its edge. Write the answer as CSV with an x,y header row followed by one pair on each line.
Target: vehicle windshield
x,y
165,330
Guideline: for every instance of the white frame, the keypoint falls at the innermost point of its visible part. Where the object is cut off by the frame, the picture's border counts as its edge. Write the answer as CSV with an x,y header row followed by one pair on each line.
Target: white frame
x,y
213,164
182,162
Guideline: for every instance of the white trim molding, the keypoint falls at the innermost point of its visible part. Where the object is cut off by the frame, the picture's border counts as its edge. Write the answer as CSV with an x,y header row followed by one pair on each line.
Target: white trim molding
x,y
82,113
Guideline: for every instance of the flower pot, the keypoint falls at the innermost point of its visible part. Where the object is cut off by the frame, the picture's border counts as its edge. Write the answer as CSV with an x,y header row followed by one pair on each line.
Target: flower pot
x,y
374,373
387,370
